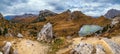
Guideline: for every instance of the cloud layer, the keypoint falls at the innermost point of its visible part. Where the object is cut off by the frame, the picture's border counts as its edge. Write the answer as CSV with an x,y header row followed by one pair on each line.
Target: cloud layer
x,y
88,7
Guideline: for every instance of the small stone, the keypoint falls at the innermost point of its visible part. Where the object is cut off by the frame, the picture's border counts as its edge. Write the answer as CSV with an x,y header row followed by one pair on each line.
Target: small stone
x,y
19,35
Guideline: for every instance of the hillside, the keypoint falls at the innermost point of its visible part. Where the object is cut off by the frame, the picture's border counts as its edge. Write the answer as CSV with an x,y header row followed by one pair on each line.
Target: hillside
x,y
68,23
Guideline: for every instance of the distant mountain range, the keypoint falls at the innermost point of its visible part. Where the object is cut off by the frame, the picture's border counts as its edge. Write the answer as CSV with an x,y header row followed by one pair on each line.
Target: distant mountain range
x,y
112,13
46,13
10,17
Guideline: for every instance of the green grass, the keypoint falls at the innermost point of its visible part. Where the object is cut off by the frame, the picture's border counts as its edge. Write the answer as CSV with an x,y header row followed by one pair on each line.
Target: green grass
x,y
56,45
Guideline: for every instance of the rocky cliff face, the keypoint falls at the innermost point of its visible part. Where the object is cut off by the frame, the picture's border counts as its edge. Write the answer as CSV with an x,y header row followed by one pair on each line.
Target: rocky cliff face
x,y
43,14
112,13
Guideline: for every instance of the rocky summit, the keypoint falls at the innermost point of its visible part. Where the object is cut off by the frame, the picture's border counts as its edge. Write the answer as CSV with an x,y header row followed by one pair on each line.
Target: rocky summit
x,y
112,13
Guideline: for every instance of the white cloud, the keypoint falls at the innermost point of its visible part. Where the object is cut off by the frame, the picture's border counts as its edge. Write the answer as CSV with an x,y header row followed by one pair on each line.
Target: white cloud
x,y
89,7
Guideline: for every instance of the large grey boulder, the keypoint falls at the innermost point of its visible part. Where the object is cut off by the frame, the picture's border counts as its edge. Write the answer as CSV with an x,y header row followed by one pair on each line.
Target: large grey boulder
x,y
100,49
46,33
83,48
6,48
114,47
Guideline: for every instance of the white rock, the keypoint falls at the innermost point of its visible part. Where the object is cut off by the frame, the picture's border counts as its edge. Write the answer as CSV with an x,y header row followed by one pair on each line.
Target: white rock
x,y
19,35
116,20
84,48
114,47
100,49
6,48
46,33
15,52
1,52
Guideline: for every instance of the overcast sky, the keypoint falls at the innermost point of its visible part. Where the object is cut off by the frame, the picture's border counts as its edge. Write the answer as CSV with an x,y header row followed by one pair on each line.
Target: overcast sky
x,y
88,7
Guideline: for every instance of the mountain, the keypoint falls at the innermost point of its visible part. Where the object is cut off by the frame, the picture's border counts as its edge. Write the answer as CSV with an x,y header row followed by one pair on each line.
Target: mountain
x,y
9,17
43,14
69,23
112,13
25,18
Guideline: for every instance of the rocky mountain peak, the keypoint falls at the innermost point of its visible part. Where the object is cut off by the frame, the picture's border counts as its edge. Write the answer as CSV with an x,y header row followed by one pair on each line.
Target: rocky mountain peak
x,y
43,14
112,13
46,12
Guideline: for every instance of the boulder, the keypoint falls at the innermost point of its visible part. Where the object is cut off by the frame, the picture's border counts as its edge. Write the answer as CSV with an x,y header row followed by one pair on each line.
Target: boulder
x,y
6,48
100,49
46,33
8,35
19,35
15,52
83,48
114,47
1,52
115,20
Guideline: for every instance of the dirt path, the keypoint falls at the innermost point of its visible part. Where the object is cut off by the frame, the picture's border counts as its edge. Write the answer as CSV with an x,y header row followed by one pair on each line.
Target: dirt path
x,y
24,46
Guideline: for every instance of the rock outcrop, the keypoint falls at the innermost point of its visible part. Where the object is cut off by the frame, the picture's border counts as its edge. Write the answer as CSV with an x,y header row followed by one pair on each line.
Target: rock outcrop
x,y
115,20
83,48
46,33
100,49
114,47
6,48
43,14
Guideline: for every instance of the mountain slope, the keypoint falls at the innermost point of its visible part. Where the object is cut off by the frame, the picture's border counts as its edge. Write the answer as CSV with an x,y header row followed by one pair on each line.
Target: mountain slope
x,y
25,18
112,13
69,23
